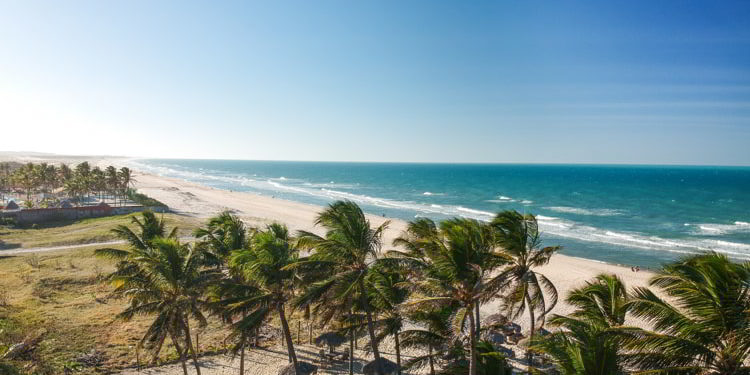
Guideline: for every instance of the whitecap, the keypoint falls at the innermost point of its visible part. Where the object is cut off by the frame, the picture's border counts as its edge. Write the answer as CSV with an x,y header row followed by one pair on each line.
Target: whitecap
x,y
585,211
713,229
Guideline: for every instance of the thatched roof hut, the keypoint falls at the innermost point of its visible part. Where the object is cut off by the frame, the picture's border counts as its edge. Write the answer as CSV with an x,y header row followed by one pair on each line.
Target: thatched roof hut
x,y
330,339
11,206
304,369
495,320
389,368
66,204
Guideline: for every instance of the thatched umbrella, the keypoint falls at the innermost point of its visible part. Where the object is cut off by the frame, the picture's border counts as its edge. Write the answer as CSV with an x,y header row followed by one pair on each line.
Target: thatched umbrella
x,y
11,206
496,337
332,339
304,368
389,367
496,320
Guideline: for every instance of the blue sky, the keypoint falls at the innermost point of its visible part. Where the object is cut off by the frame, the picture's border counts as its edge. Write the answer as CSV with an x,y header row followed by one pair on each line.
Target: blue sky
x,y
430,81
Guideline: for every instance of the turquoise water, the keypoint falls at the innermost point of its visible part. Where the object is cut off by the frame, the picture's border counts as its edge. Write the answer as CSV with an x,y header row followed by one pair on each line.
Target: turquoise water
x,y
634,215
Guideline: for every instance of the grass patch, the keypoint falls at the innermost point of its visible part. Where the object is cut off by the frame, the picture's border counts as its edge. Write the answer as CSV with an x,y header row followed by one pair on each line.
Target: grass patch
x,y
75,232
74,310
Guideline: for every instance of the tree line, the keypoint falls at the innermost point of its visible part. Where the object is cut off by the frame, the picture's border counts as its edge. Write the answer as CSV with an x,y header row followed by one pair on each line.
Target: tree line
x,y
698,308
77,183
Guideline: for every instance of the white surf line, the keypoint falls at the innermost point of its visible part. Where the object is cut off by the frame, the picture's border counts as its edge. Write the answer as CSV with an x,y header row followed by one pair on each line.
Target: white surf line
x,y
70,247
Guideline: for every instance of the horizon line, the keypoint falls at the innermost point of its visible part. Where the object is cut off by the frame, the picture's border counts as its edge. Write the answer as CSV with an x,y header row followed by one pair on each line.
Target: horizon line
x,y
31,153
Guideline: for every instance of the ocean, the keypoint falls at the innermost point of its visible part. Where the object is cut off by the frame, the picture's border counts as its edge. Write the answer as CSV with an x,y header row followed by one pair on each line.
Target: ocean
x,y
630,215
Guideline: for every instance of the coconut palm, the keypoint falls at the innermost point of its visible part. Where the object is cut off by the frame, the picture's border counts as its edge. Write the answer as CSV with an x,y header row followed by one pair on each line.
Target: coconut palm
x,y
432,334
222,234
166,282
82,175
588,343
98,181
702,326
518,235
112,181
26,178
64,173
453,262
389,289
264,268
148,229
348,248
125,176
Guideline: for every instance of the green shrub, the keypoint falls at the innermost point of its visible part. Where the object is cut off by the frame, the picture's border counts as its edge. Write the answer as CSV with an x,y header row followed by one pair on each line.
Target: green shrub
x,y
144,199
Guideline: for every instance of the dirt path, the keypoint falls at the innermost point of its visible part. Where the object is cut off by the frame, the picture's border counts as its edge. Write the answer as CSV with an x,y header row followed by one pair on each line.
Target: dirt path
x,y
71,247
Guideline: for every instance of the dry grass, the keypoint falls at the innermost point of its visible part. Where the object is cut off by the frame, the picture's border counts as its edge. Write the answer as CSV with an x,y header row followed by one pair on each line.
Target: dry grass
x,y
80,232
73,306
62,294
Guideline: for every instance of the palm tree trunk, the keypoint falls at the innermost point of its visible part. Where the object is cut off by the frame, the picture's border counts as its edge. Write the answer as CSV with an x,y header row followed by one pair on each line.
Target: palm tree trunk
x,y
158,349
351,352
309,335
398,353
529,354
472,345
190,346
242,356
432,363
371,328
478,322
288,337
180,353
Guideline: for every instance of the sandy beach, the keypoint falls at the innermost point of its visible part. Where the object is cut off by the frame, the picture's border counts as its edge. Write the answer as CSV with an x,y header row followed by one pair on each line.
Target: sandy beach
x,y
201,201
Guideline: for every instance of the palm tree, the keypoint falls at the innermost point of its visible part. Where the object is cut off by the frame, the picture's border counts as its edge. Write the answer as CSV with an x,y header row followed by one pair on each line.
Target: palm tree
x,y
165,281
126,178
112,181
703,325
148,229
82,175
98,181
432,334
452,261
64,173
348,248
518,235
26,178
588,343
265,265
388,291
223,234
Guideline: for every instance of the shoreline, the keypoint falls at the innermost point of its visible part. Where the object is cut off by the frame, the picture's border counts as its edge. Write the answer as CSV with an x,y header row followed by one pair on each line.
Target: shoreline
x,y
201,201
152,178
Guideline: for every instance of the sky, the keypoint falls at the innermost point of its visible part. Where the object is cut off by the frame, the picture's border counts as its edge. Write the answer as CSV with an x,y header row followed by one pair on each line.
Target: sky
x,y
642,82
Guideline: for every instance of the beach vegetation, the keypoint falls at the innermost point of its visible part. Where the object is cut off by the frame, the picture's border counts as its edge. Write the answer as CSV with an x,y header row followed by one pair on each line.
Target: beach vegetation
x,y
525,289
586,341
424,296
46,185
700,318
343,258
